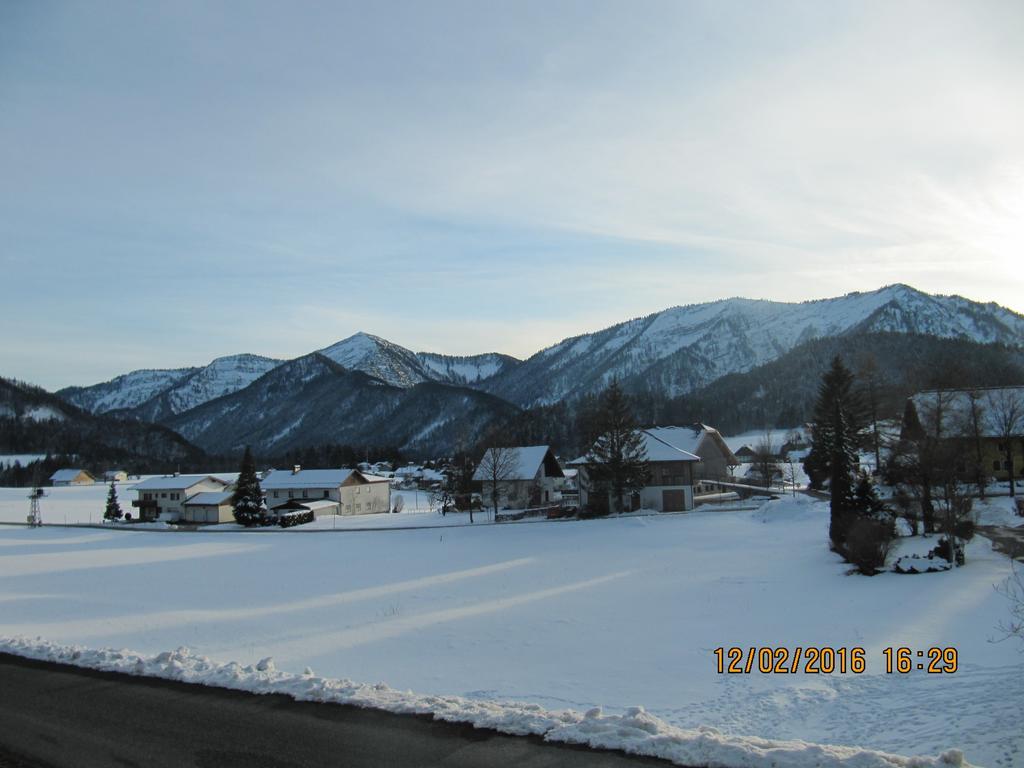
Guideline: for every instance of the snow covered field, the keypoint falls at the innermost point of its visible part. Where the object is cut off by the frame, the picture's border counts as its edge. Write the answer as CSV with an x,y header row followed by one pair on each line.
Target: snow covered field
x,y
609,613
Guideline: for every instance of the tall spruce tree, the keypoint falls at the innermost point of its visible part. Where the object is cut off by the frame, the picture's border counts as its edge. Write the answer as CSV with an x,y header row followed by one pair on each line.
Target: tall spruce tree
x,y
618,459
838,421
113,510
247,500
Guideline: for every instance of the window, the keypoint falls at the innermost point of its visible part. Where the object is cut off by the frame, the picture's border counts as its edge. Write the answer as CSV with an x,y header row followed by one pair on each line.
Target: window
x,y
147,496
326,493
163,495
995,465
305,493
291,494
275,494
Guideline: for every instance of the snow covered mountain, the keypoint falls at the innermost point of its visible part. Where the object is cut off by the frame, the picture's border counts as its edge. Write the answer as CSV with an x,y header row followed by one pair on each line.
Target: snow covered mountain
x,y
221,377
154,394
683,348
126,391
378,357
314,401
401,367
474,369
669,353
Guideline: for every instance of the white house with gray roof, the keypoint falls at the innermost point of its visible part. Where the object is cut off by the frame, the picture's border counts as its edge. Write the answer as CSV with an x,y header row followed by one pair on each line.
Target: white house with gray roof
x,y
164,497
326,491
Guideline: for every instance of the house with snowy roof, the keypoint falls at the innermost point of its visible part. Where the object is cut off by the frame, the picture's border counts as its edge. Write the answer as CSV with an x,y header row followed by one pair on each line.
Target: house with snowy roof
x,y
71,477
677,457
326,492
985,424
529,476
164,497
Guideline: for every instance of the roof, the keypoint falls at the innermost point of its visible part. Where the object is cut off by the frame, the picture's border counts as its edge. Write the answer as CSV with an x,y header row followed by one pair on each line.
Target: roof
x,y
956,407
527,463
210,498
306,478
175,482
665,444
64,475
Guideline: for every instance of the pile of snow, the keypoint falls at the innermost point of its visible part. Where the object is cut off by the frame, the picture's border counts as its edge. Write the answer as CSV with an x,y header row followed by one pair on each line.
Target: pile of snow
x,y
635,732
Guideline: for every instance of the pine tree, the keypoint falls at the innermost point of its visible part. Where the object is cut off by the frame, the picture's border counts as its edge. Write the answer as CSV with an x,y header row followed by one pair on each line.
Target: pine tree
x,y
618,458
865,497
834,435
247,500
113,510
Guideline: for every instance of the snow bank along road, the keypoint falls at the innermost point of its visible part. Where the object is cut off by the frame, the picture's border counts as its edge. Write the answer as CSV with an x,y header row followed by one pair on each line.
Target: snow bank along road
x,y
56,716
559,630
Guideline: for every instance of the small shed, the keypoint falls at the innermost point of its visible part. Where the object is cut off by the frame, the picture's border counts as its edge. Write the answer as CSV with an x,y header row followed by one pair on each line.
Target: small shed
x,y
71,477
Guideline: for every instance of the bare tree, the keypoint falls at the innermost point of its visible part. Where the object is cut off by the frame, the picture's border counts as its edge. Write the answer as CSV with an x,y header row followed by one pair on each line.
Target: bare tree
x,y
869,374
926,456
1013,590
1006,413
496,468
765,459
974,429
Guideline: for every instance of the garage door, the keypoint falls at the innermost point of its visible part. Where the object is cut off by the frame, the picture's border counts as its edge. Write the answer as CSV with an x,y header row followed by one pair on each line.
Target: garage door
x,y
673,501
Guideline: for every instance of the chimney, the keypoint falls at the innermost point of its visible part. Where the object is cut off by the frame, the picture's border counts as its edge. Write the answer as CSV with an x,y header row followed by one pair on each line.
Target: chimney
x,y
296,469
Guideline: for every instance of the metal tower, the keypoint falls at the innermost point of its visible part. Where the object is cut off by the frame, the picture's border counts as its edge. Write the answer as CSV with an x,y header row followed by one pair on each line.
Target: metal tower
x,y
35,515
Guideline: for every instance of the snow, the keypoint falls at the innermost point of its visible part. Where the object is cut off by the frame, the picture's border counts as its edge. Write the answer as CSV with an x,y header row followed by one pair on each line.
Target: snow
x,y
635,731
515,625
10,459
997,510
378,357
43,413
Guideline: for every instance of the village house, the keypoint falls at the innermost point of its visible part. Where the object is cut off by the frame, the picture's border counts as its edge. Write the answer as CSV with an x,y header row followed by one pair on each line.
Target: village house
x,y
326,492
164,497
745,455
115,476
947,415
529,476
677,458
71,477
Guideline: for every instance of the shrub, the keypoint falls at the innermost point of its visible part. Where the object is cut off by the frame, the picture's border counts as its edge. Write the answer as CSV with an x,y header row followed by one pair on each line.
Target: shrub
x,y
867,545
288,519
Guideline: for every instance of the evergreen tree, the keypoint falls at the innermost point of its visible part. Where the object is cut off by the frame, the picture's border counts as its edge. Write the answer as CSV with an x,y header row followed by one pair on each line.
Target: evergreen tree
x,y
865,497
618,459
834,436
113,510
247,500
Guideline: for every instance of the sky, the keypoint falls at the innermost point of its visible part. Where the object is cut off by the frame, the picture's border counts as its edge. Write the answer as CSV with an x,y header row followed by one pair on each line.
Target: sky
x,y
185,180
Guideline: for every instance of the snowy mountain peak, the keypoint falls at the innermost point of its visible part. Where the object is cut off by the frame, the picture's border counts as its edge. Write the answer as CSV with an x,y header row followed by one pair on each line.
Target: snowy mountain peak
x,y
378,357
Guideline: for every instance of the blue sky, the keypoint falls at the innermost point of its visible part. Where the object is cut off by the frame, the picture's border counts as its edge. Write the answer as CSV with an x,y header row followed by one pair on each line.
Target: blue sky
x,y
186,180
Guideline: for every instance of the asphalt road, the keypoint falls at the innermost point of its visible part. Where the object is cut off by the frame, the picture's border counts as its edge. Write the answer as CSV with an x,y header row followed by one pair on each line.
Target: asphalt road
x,y
1009,541
53,716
